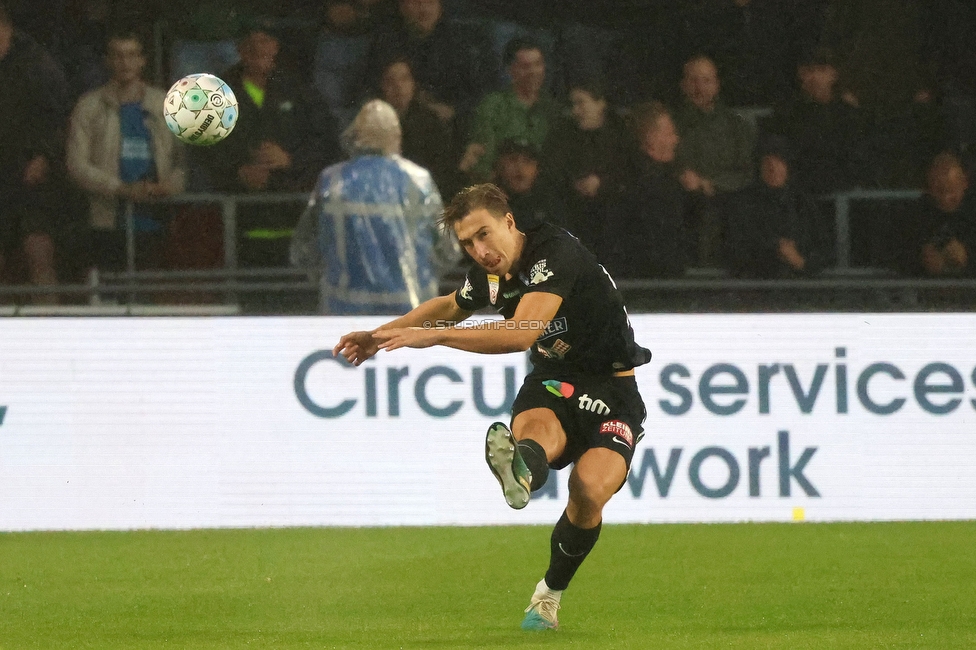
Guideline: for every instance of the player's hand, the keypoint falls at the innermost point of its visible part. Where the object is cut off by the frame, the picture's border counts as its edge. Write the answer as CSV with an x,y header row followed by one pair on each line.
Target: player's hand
x,y
407,337
356,347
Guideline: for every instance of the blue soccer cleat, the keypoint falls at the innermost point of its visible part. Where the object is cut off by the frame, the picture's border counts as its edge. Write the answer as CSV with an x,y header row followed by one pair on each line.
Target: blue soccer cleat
x,y
541,614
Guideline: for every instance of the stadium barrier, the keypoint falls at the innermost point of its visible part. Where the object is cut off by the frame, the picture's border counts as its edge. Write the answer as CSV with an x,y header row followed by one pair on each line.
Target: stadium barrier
x,y
236,422
837,287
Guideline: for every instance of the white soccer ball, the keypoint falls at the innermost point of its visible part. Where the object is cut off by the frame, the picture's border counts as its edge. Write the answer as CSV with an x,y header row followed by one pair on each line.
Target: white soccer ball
x,y
200,109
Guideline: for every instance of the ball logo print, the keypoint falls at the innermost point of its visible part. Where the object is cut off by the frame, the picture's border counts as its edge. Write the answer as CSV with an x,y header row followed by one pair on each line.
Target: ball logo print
x,y
200,109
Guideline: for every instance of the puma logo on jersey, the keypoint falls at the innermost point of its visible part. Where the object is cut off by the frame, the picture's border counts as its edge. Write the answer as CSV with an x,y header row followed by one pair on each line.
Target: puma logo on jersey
x,y
587,403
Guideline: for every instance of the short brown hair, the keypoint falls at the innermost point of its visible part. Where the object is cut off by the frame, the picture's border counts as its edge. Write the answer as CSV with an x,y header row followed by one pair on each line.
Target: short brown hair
x,y
486,196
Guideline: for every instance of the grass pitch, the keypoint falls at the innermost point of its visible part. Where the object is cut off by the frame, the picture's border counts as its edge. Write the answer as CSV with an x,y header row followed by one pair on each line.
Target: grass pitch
x,y
891,585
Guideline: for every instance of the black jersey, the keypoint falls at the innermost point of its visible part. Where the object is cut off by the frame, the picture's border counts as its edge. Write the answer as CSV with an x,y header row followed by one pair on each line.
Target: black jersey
x,y
590,334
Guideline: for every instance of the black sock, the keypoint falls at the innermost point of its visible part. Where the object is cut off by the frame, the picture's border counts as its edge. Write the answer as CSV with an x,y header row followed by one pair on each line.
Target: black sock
x,y
535,459
569,546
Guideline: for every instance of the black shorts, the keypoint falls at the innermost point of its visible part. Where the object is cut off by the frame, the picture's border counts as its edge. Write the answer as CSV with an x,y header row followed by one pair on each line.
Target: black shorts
x,y
595,411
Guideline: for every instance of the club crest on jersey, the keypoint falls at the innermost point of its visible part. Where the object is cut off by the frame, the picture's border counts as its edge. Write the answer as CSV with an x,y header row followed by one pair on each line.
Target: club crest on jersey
x,y
492,288
539,272
466,289
618,429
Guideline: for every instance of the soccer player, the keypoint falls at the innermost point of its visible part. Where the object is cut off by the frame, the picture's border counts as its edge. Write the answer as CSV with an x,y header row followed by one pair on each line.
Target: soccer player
x,y
580,402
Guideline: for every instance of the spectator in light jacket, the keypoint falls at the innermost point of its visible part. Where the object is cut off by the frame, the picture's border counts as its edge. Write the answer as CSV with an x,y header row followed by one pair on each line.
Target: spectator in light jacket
x,y
119,150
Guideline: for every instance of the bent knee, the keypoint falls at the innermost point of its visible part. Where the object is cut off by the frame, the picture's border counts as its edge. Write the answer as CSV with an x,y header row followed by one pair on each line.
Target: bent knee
x,y
598,476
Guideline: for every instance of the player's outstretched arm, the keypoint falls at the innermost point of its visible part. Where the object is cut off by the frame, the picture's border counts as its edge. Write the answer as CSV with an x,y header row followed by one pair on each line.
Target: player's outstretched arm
x,y
516,334
359,346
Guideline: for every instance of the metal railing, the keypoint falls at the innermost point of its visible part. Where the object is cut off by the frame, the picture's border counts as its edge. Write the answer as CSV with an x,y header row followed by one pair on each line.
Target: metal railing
x,y
228,210
231,281
842,216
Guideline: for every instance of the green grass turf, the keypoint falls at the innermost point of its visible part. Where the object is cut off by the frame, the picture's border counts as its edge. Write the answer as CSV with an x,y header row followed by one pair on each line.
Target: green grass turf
x,y
888,585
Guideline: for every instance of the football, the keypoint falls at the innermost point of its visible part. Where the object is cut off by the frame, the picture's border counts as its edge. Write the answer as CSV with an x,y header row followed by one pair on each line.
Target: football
x,y
200,109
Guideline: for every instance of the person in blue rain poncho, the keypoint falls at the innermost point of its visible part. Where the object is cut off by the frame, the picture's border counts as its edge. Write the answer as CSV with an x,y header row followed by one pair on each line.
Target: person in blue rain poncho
x,y
370,229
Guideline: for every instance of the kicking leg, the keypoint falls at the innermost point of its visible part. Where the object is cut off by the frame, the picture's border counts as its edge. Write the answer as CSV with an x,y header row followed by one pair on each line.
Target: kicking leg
x,y
519,458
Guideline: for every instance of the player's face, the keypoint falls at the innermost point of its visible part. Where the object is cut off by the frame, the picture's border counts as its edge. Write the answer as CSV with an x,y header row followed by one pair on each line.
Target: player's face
x,y
493,242
125,60
588,112
398,86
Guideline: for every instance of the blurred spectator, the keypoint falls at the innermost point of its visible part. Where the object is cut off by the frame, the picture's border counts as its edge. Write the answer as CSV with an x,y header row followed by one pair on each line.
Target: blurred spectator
x,y
284,136
589,160
119,151
33,106
945,223
517,173
648,60
427,140
878,44
355,17
285,133
775,230
715,154
646,235
448,67
825,132
752,42
523,112
370,228
881,62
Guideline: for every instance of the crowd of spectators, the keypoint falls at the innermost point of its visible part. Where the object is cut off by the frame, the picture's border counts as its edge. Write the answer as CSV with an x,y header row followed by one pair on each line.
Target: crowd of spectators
x,y
720,153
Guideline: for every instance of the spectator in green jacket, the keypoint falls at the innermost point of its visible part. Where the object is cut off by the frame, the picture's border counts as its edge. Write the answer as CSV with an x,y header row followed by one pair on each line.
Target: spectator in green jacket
x,y
524,112
716,151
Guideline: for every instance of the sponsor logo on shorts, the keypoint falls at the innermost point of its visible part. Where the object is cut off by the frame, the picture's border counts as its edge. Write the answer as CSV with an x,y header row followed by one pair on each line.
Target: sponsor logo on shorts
x,y
619,430
598,406
560,388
